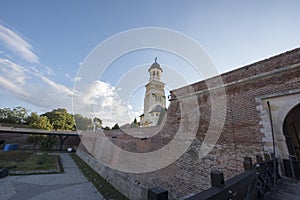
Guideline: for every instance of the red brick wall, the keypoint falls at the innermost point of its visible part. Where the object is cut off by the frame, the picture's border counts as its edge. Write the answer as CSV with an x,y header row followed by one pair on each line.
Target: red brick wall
x,y
241,135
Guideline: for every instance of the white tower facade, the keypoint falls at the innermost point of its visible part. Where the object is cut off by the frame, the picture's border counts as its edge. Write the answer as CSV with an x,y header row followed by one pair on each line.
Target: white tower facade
x,y
155,99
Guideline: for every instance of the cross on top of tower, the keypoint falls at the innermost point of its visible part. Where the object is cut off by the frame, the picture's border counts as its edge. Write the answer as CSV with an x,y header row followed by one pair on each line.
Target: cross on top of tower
x,y
155,65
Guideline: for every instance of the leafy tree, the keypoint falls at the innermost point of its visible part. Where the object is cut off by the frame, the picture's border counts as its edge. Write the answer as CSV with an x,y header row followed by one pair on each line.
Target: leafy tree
x,y
5,115
82,123
134,123
34,139
17,115
40,122
47,142
61,119
116,126
98,122
20,114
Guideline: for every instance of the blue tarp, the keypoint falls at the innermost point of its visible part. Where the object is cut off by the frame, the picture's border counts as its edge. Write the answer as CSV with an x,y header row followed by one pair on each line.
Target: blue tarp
x,y
9,147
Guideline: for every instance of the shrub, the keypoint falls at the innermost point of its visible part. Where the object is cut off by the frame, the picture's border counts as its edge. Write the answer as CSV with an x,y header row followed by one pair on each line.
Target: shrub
x,y
42,159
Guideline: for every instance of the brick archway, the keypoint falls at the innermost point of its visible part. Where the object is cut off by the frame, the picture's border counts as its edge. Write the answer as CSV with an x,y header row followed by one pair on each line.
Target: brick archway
x,y
281,105
291,131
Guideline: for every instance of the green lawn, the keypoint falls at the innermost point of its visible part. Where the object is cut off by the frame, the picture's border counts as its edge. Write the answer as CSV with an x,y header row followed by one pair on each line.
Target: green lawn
x,y
28,161
104,187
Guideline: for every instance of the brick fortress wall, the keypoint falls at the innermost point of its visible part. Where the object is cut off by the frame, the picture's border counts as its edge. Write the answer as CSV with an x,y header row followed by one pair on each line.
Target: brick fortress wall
x,y
242,135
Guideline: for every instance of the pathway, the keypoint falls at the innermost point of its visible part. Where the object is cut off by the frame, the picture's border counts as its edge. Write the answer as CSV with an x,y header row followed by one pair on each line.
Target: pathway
x,y
288,189
69,185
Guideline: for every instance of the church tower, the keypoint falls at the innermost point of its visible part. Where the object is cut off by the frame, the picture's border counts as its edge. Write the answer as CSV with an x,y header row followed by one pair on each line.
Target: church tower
x,y
155,99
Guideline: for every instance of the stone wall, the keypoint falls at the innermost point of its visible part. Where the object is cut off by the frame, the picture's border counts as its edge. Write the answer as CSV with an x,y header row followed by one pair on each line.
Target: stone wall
x,y
246,130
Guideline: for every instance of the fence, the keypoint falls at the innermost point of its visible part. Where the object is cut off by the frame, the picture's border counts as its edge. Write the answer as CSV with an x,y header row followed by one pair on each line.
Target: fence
x,y
257,182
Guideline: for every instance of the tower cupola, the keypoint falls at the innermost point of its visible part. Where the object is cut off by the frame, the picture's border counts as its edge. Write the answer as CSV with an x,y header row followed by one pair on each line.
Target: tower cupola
x,y
155,71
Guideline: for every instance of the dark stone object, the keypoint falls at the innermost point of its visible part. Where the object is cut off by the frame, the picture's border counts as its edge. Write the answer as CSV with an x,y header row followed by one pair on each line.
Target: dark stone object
x,y
157,193
217,178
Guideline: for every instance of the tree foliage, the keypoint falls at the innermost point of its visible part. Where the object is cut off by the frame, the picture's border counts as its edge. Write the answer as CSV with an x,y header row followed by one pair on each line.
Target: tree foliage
x,y
134,123
83,123
58,119
39,122
116,126
47,142
17,115
98,122
34,139
61,119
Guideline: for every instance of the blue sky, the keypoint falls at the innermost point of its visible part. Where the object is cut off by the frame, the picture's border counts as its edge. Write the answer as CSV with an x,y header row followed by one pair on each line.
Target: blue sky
x,y
44,43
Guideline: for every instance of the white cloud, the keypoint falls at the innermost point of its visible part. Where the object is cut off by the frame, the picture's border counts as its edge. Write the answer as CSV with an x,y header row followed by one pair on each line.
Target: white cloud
x,y
17,44
32,87
13,72
77,78
72,79
30,84
98,99
10,86
102,100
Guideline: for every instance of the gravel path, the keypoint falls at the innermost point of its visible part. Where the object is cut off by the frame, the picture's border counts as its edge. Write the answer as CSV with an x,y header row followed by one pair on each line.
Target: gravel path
x,y
69,185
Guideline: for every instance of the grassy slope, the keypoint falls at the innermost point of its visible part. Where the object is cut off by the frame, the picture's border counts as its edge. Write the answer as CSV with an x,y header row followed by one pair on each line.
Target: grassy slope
x,y
104,187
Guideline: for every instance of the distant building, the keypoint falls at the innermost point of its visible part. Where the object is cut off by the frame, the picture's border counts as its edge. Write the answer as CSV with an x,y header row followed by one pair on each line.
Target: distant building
x,y
155,99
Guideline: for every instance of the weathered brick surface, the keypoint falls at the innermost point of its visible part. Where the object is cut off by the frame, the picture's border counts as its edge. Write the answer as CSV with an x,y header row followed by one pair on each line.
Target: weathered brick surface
x,y
241,135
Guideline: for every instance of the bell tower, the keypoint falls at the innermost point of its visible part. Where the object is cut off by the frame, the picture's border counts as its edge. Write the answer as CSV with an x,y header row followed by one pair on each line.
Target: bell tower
x,y
155,99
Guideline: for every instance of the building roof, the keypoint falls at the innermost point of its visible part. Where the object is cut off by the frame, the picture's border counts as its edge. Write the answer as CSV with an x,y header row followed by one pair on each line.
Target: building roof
x,y
156,108
155,65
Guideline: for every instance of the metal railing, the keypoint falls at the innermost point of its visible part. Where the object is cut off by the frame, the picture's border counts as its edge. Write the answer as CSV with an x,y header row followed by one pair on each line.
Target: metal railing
x,y
257,182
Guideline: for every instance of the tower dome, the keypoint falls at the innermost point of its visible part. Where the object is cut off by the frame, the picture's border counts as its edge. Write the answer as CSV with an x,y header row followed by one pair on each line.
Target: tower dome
x,y
155,65
155,71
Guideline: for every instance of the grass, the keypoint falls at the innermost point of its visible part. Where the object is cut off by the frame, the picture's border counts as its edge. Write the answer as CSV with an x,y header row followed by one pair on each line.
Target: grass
x,y
28,161
104,187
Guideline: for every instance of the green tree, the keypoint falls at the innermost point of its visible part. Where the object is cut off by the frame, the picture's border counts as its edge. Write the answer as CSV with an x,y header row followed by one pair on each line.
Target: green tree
x,y
34,139
20,114
47,142
82,123
98,122
116,126
134,123
5,115
17,115
39,122
60,119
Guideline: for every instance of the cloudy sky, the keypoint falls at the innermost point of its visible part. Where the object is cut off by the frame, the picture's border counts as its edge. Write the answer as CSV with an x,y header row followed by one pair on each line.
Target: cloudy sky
x,y
44,44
